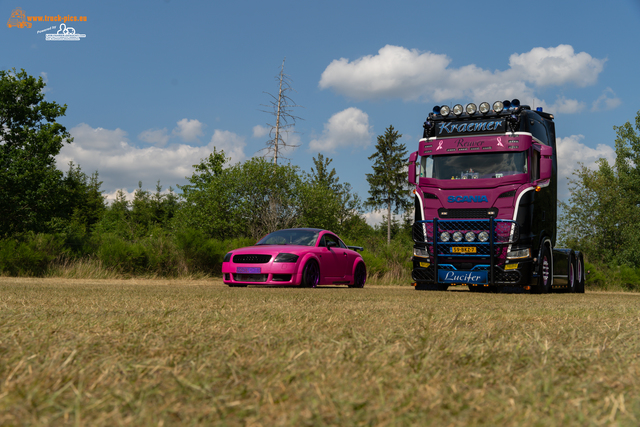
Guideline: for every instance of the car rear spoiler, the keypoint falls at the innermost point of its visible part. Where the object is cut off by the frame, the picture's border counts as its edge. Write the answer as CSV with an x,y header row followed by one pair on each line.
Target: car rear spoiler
x,y
356,248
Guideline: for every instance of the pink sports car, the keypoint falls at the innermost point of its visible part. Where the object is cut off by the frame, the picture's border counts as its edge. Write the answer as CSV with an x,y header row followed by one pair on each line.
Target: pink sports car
x,y
305,257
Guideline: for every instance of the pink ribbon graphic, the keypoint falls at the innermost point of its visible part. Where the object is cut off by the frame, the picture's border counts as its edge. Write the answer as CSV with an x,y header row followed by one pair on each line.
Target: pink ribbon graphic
x,y
439,145
500,142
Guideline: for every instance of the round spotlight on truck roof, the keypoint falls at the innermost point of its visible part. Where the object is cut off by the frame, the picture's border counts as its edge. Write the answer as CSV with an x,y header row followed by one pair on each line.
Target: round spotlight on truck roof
x,y
515,103
445,236
445,110
458,109
507,104
498,106
457,236
483,236
470,236
485,107
436,110
471,108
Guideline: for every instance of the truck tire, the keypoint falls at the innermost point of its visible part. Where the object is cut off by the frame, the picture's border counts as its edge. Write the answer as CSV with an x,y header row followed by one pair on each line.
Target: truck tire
x,y
580,274
545,272
571,273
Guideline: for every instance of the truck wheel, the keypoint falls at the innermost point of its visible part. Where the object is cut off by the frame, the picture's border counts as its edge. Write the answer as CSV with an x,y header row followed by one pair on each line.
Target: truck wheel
x,y
571,274
545,272
580,274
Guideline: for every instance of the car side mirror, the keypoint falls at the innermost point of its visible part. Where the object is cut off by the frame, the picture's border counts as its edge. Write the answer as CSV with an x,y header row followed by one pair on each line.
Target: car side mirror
x,y
331,244
412,167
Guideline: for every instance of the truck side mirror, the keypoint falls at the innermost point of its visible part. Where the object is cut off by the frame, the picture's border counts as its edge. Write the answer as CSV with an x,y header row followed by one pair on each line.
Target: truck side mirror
x,y
412,167
546,165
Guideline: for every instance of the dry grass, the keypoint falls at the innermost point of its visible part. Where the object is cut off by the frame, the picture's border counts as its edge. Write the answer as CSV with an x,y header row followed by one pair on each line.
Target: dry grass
x,y
173,352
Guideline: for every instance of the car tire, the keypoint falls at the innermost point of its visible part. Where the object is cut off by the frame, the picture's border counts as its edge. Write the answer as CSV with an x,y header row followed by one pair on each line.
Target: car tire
x,y
359,276
310,275
545,272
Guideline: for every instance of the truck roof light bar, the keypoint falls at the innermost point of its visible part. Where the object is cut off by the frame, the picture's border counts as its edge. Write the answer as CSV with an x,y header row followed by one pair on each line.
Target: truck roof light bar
x,y
471,109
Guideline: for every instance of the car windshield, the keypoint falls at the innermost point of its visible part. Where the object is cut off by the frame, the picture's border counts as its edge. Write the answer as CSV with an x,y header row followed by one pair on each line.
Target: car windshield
x,y
290,237
472,166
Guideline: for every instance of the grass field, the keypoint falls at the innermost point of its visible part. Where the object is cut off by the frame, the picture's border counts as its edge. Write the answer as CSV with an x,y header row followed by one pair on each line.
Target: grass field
x,y
97,352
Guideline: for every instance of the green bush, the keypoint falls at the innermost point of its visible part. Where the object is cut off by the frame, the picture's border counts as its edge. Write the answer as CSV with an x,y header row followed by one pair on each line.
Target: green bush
x,y
30,255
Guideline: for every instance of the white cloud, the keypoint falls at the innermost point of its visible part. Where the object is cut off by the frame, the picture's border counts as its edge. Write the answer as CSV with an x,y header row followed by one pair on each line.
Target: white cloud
x,y
260,131
158,137
121,165
557,66
607,101
562,105
347,128
409,74
232,144
189,130
572,151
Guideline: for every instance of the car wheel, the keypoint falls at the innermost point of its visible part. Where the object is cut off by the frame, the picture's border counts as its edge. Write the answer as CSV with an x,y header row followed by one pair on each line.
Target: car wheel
x,y
310,275
545,272
360,276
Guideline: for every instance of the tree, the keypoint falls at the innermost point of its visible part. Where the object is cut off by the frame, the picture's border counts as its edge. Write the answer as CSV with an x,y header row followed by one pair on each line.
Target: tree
x,y
30,138
388,183
281,108
246,199
603,210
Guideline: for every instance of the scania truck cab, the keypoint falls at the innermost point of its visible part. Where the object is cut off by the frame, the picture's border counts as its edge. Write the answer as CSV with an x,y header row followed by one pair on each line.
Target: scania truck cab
x,y
485,202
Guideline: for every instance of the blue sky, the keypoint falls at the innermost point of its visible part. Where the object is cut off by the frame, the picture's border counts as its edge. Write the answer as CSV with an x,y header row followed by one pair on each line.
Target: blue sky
x,y
155,85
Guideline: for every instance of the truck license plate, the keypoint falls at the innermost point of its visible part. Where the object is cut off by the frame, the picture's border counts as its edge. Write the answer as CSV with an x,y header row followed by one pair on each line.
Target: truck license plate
x,y
463,250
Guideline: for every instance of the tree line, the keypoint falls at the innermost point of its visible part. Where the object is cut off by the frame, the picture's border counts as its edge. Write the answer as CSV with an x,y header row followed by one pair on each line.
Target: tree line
x,y
48,217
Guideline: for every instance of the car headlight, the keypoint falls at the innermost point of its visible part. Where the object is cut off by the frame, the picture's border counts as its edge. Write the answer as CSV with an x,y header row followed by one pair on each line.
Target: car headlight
x,y
457,236
227,257
421,252
483,236
445,236
285,257
470,236
520,253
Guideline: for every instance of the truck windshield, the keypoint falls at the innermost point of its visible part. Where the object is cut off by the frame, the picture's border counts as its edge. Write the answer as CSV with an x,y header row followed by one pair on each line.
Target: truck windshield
x,y
473,166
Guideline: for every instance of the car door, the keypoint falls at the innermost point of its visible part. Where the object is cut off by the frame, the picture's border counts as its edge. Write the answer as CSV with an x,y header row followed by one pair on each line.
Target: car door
x,y
334,258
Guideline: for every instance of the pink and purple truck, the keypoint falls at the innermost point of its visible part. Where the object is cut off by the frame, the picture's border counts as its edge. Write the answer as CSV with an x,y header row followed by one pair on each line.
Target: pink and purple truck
x,y
485,182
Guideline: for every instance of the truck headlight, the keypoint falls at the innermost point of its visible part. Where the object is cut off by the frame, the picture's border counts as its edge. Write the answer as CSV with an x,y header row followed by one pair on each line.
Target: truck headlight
x,y
483,236
421,252
445,236
470,236
519,253
457,236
